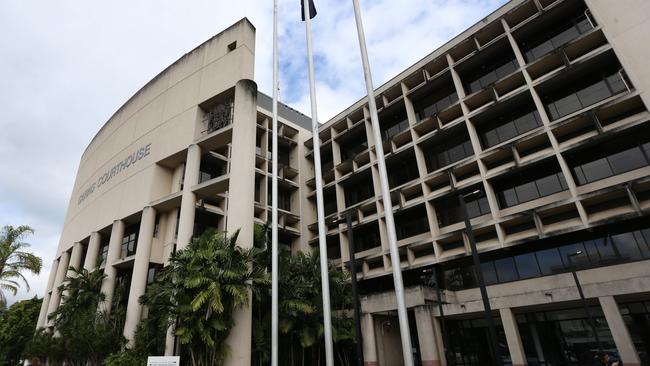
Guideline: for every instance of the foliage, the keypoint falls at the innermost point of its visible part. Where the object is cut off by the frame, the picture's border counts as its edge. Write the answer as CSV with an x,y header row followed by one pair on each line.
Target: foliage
x,y
301,311
14,259
17,325
201,287
125,358
80,334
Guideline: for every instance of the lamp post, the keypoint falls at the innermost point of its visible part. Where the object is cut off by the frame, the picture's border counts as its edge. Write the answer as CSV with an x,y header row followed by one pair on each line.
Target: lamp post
x,y
446,342
487,312
355,295
582,297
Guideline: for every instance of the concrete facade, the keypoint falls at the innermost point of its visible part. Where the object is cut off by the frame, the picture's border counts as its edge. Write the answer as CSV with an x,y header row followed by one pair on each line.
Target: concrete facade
x,y
542,106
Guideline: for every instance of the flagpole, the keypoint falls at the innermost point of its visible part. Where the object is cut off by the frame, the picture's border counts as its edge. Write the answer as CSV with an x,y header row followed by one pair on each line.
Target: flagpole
x,y
322,243
405,333
274,196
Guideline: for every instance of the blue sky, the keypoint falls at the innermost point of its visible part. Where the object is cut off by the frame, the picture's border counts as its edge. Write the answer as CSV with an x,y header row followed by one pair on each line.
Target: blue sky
x,y
67,65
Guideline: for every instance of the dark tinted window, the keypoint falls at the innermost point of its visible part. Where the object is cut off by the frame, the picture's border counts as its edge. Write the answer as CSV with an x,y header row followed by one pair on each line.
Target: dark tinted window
x,y
616,155
447,150
506,269
527,265
529,184
577,94
549,261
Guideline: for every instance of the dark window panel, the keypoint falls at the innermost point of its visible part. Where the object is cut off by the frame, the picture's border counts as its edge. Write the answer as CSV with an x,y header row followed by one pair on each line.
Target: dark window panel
x,y
615,156
527,266
582,93
547,42
549,261
506,270
606,249
643,244
627,160
579,261
627,247
489,273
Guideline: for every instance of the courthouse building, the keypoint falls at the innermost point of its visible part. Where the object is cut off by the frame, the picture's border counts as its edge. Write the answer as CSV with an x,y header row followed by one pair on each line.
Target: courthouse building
x,y
542,106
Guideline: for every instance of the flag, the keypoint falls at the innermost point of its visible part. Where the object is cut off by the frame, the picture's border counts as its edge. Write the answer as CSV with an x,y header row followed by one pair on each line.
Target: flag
x,y
312,9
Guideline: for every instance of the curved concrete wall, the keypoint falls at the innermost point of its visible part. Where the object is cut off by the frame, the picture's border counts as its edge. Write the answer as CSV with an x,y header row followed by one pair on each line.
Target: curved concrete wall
x,y
118,173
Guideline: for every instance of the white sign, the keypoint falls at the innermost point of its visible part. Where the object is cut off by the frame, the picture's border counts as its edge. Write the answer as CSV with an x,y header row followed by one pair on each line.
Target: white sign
x,y
163,361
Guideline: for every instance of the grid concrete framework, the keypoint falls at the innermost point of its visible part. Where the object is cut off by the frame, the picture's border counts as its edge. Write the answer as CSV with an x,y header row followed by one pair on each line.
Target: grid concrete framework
x,y
542,106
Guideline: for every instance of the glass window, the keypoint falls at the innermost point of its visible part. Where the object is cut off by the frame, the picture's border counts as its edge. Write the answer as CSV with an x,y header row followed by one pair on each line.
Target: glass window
x,y
549,185
593,93
596,170
489,274
549,261
626,246
506,132
605,249
580,260
506,270
527,265
627,160
592,250
643,244
527,192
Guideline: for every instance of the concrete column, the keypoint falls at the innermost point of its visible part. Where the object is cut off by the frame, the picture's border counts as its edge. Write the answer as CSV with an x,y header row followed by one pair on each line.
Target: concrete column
x,y
515,346
75,257
75,262
92,253
426,336
42,315
140,272
114,245
621,335
61,271
369,342
438,334
241,211
169,341
188,202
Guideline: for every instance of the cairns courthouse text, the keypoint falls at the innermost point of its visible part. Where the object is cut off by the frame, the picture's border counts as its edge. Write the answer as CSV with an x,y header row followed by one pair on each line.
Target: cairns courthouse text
x,y
139,154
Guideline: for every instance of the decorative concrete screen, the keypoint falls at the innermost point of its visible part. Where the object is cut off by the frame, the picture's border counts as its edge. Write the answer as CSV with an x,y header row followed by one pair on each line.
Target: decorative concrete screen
x,y
164,361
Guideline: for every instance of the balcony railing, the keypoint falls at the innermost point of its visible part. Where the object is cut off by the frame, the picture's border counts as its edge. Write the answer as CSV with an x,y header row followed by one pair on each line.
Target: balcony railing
x,y
219,116
572,30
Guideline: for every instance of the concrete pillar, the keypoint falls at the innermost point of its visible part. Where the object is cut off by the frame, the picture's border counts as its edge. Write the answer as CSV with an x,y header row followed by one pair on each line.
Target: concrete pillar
x,y
61,271
140,272
75,257
516,348
92,253
169,341
621,335
42,315
241,211
369,342
426,336
437,330
188,201
114,245
75,262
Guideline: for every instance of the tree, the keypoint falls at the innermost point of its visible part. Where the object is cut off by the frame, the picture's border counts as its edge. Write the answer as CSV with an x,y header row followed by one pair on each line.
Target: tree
x,y
17,325
14,260
201,287
80,334
301,311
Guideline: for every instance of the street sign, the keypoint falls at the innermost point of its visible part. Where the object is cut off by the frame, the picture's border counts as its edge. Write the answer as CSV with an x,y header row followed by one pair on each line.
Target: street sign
x,y
164,361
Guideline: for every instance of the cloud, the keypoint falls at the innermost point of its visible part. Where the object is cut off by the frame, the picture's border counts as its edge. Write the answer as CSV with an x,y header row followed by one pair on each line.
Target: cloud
x,y
68,65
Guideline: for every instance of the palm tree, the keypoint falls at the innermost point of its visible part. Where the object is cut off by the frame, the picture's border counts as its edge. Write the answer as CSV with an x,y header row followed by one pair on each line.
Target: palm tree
x,y
201,287
80,335
14,260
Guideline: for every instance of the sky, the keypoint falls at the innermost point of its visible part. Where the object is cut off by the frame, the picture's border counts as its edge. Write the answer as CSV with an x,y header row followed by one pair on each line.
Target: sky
x,y
66,66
